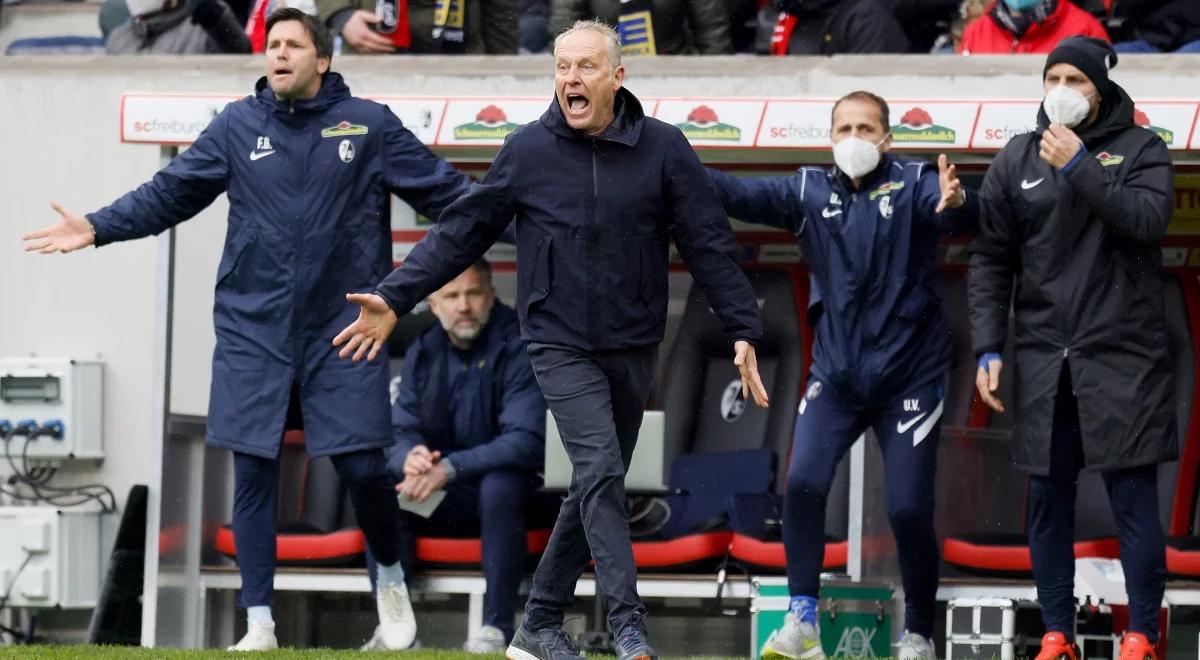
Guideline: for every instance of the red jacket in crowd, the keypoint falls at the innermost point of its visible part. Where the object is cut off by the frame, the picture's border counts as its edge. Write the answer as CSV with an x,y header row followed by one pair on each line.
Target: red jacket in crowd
x,y
987,35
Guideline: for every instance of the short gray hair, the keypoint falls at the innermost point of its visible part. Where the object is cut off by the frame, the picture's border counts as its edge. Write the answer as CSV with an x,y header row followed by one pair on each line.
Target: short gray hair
x,y
611,40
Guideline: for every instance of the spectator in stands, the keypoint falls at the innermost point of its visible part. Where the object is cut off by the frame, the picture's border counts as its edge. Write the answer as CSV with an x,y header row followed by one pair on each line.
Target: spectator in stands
x,y
418,27
534,26
1158,26
1073,214
592,235
653,27
1028,26
829,27
177,27
308,169
924,21
968,12
469,420
870,228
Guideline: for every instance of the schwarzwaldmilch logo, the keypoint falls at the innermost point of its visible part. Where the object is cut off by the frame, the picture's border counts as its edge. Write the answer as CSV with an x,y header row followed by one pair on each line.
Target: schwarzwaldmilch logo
x,y
917,126
490,124
702,124
1142,119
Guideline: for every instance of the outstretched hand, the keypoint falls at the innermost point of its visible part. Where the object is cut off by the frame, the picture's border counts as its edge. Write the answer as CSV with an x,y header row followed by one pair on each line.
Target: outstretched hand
x,y
72,233
747,364
370,331
952,190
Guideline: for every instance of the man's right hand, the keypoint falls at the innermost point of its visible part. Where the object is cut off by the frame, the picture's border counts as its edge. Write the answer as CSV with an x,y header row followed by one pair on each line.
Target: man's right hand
x,y
72,233
362,37
987,381
420,460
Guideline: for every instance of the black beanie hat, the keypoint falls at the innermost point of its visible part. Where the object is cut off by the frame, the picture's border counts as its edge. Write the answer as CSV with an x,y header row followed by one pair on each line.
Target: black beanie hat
x,y
1094,57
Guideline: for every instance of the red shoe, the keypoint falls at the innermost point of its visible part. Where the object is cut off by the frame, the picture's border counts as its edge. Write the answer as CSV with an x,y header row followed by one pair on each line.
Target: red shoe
x,y
1135,646
1056,647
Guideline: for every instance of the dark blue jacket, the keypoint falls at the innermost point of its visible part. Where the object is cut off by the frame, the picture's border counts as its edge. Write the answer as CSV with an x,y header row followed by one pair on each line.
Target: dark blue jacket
x,y
308,186
594,221
488,416
873,255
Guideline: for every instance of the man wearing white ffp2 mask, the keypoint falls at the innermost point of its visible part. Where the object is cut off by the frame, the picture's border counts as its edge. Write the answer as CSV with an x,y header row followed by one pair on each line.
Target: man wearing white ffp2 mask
x,y
869,229
1075,213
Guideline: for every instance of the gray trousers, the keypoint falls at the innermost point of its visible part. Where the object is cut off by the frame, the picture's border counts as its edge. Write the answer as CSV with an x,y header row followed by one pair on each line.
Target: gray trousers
x,y
597,400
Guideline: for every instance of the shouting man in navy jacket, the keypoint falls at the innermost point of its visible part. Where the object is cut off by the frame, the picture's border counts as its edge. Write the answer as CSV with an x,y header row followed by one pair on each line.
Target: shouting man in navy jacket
x,y
470,420
869,231
308,169
598,190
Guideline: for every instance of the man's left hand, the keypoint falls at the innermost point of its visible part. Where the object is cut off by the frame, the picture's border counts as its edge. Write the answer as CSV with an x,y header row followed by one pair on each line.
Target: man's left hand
x,y
1059,145
370,331
952,190
418,488
747,363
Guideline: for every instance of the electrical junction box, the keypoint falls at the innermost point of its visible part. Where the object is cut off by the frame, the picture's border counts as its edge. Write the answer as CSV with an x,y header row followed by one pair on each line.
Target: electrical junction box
x,y
50,390
64,552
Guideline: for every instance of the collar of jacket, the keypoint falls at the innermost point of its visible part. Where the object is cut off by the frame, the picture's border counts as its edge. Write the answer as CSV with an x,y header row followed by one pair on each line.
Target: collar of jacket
x,y
1115,116
1042,16
847,184
625,128
333,90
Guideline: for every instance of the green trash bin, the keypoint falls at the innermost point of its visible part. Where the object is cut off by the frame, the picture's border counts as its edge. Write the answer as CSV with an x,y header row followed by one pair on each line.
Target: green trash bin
x,y
855,618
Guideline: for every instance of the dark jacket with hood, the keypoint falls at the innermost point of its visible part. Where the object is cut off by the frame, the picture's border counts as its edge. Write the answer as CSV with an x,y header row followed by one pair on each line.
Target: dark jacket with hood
x,y
873,254
480,407
1075,255
829,27
308,183
595,217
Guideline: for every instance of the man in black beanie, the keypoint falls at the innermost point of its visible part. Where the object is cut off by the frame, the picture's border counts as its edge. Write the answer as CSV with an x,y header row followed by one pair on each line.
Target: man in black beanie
x,y
1073,213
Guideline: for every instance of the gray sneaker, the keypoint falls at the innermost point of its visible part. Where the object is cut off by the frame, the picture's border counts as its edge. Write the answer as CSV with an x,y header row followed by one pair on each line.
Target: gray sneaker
x,y
794,640
631,644
545,644
914,647
488,639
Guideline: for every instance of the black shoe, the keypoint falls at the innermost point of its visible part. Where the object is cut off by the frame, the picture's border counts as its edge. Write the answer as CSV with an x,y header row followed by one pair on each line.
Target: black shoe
x,y
631,644
545,644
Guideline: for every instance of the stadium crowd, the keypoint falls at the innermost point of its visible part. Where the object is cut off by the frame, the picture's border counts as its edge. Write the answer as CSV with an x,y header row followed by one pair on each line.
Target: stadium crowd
x,y
664,27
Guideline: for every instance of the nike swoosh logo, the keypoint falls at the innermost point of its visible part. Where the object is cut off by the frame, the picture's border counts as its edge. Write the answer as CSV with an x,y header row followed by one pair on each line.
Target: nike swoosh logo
x,y
255,155
1026,184
903,427
828,214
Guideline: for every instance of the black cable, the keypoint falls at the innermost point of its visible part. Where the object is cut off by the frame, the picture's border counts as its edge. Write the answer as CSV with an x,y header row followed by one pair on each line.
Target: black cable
x,y
84,493
13,583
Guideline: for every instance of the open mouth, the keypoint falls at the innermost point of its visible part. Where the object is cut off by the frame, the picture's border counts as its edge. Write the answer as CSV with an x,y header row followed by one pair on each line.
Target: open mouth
x,y
577,103
281,72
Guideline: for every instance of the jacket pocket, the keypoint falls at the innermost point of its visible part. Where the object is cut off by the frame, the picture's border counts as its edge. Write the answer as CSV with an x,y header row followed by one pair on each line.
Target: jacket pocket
x,y
653,278
539,278
239,241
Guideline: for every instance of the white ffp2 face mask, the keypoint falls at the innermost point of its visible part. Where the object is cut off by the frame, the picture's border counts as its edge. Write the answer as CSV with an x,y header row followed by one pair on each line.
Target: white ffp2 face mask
x,y
1066,105
856,156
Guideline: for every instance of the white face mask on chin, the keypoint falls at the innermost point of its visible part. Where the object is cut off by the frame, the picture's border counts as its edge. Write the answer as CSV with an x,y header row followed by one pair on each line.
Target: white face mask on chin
x,y
1066,105
857,157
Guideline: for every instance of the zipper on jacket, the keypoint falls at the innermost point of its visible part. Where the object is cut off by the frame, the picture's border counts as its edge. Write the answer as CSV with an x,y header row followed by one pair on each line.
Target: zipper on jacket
x,y
291,108
593,243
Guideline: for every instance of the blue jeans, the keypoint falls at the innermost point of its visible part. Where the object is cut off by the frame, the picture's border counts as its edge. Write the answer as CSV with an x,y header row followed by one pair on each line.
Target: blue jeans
x,y
597,400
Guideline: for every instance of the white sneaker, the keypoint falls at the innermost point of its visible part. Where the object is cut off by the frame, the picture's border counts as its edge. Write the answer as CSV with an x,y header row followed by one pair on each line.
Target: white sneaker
x,y
488,639
914,647
260,636
397,623
794,640
376,643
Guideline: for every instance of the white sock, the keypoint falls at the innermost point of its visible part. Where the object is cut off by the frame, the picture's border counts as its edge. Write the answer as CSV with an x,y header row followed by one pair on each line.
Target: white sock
x,y
259,613
387,576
